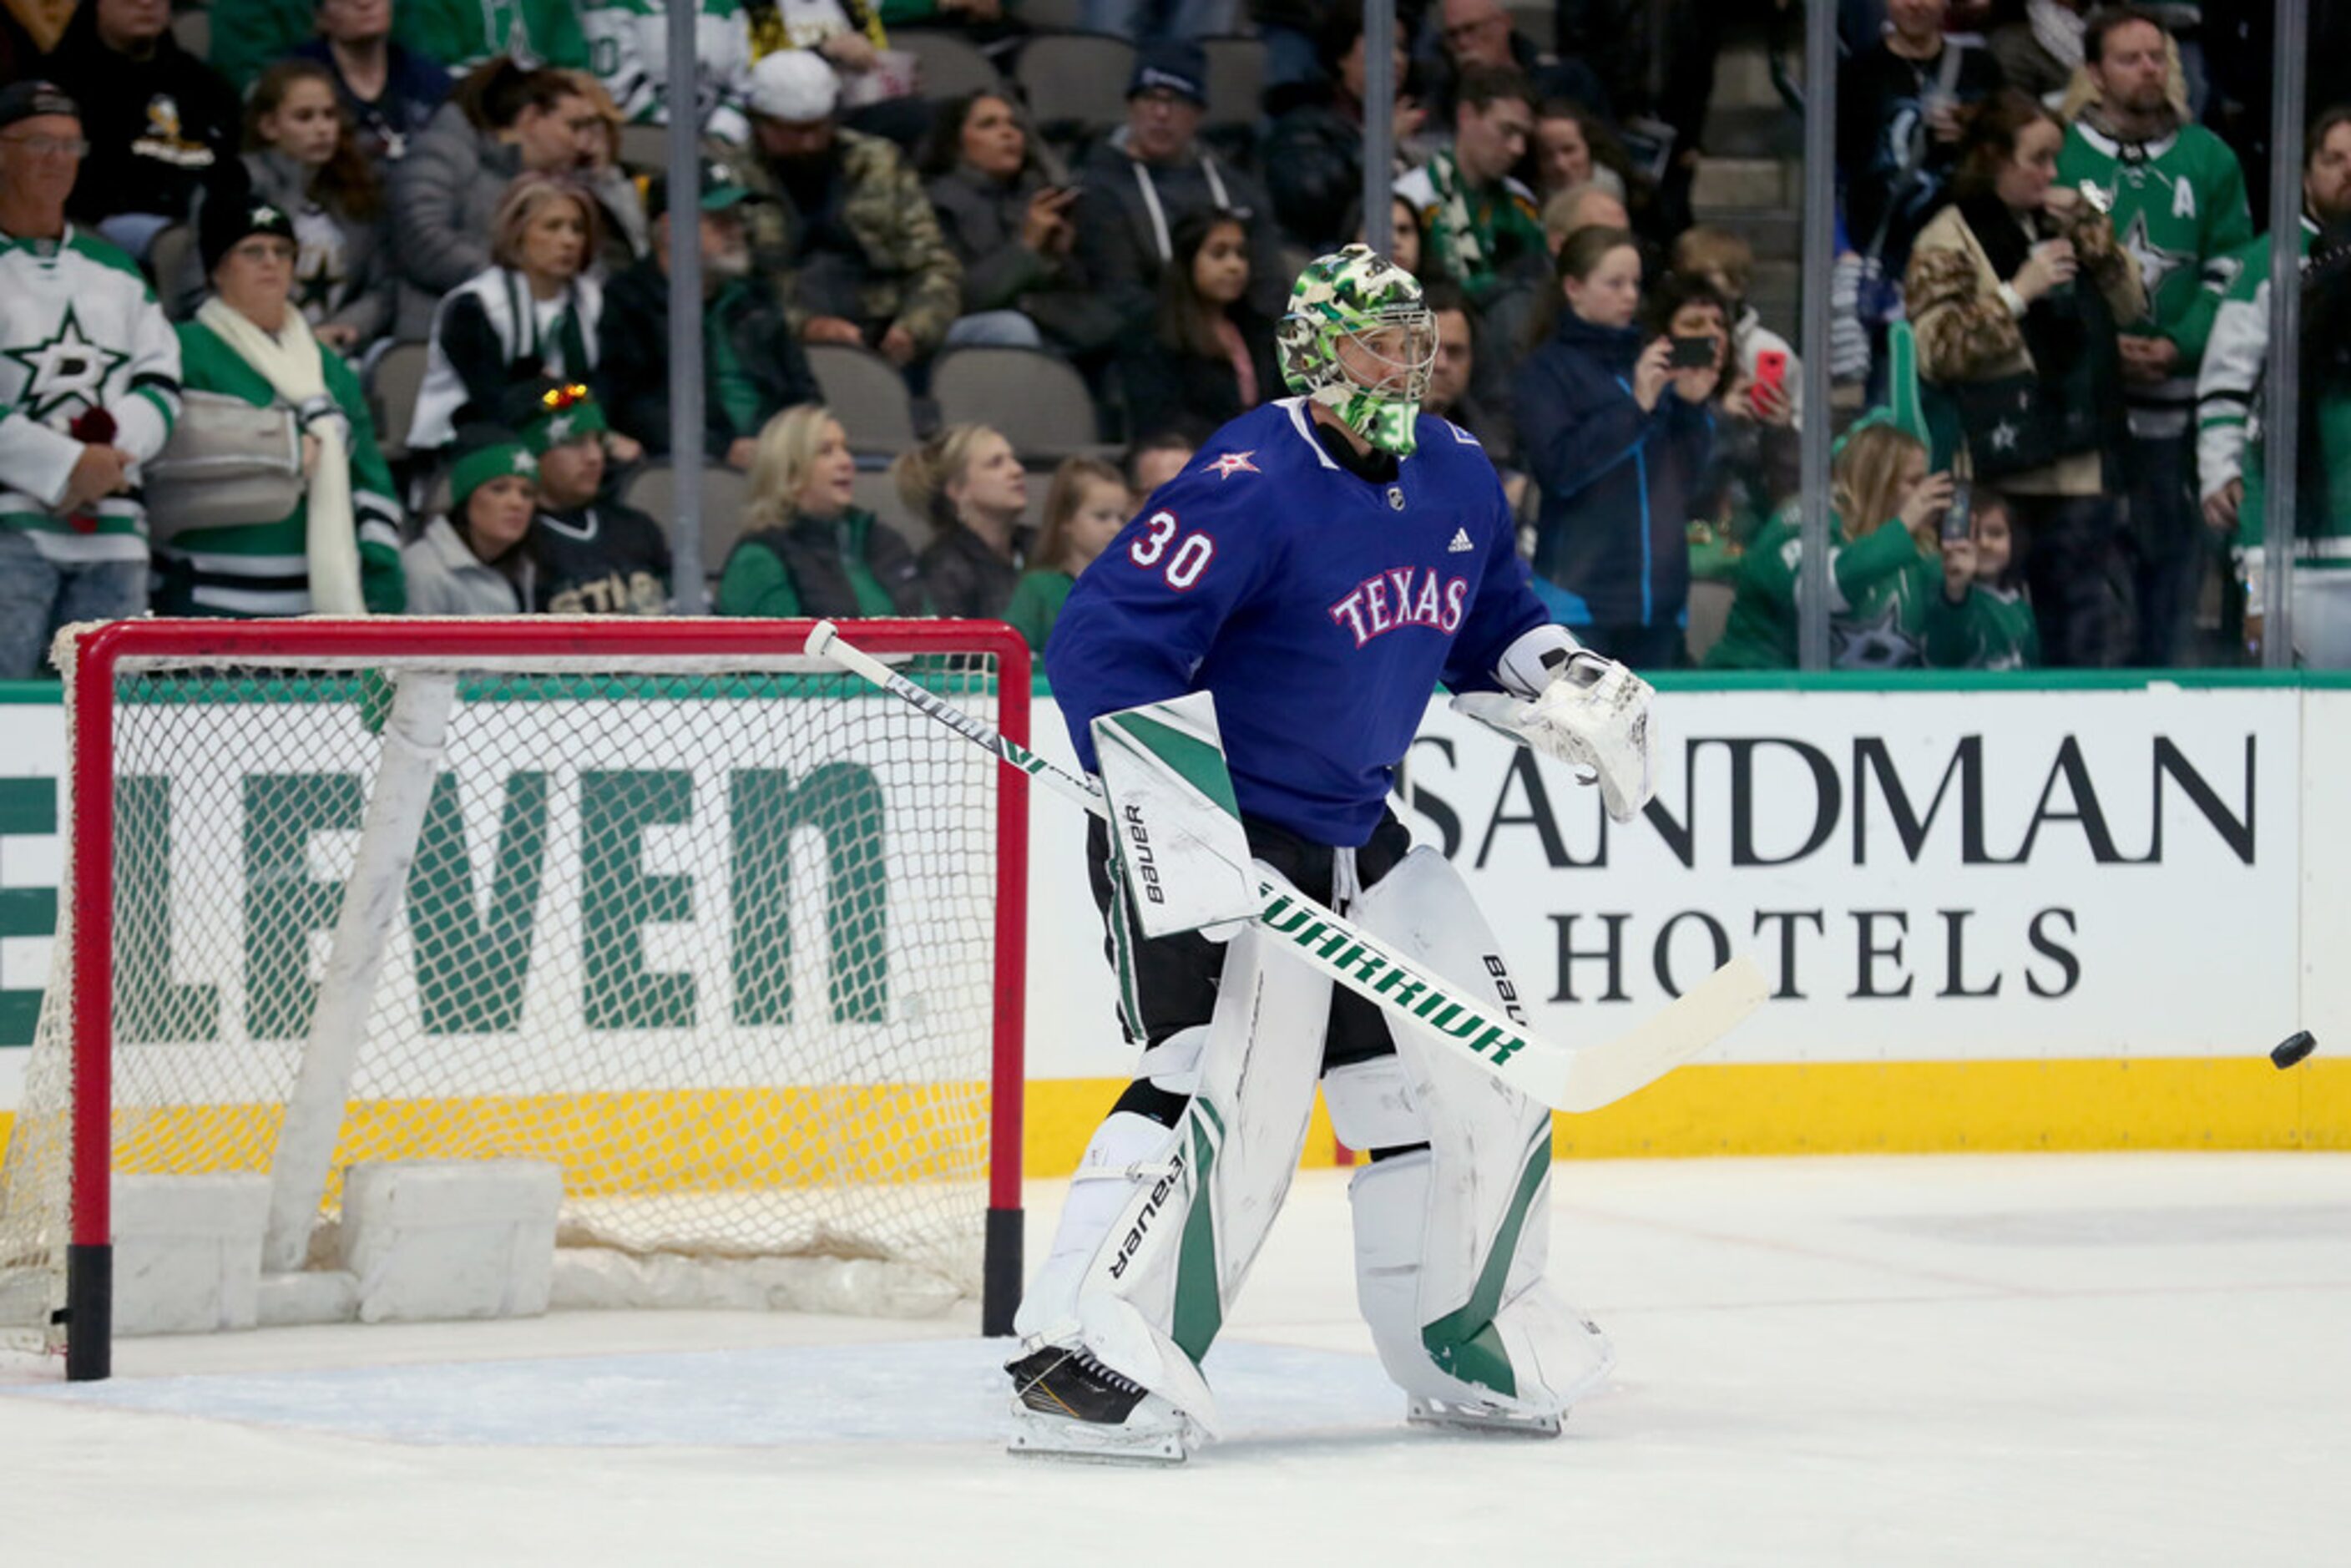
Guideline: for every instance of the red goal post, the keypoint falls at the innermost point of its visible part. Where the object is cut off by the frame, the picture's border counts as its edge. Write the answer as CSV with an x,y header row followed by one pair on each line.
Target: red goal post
x,y
526,668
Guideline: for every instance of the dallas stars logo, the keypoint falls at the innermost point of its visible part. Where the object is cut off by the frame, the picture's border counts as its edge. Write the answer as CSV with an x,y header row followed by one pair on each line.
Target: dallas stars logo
x,y
2155,262
64,370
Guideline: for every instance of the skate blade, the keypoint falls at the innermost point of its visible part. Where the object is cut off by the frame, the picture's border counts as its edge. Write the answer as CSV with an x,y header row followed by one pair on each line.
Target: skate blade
x,y
1444,1415
1039,1436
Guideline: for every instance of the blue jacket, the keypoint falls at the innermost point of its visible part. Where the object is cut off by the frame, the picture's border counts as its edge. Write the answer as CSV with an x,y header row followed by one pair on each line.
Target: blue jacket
x,y
1612,539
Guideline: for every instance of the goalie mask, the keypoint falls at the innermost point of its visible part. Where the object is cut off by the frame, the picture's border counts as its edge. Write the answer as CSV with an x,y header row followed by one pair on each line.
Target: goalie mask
x,y
1360,341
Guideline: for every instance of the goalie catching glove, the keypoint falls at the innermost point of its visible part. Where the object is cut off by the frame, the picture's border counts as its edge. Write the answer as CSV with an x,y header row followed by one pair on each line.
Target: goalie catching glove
x,y
1570,703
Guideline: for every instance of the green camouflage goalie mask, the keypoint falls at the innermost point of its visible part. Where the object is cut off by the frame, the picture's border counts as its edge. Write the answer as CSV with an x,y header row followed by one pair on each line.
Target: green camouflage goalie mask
x,y
1360,341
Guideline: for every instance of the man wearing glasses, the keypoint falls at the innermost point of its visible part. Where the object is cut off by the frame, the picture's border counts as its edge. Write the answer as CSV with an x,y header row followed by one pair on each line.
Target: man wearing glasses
x,y
89,384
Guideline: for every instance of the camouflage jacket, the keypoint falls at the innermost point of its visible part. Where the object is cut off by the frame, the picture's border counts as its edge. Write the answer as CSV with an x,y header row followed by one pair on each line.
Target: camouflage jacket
x,y
909,276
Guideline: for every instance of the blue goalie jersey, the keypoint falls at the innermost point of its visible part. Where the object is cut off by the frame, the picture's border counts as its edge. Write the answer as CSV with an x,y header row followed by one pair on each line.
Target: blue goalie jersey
x,y
1319,608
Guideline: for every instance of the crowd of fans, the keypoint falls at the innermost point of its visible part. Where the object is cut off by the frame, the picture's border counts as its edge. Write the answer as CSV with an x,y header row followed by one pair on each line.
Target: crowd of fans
x,y
2052,289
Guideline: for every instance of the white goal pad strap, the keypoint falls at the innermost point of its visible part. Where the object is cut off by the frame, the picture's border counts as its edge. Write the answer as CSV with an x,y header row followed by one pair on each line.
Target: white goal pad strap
x,y
1450,1244
1144,1265
1173,817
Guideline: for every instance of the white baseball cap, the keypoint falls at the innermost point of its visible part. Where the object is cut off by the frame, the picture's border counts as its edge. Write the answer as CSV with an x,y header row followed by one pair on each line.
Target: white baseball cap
x,y
795,85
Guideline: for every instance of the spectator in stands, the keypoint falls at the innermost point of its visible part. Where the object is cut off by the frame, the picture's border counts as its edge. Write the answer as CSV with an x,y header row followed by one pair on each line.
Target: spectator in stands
x,y
532,312
809,549
471,559
159,120
502,121
338,551
969,485
1150,175
752,367
590,554
2026,357
1477,224
1587,206
1209,355
1084,511
2232,447
628,44
1726,263
1884,571
1014,231
1573,146
874,85
846,235
72,529
1988,623
1615,437
1478,34
1450,394
2176,193
301,157
1148,21
619,206
1403,235
2041,51
1313,157
1157,456
465,33
1900,104
1756,460
389,90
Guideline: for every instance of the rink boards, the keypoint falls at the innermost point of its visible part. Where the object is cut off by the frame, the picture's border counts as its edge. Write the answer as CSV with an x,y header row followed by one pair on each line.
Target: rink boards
x,y
2003,917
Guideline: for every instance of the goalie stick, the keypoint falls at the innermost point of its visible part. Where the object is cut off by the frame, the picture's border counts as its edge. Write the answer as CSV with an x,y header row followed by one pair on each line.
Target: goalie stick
x,y
1567,1078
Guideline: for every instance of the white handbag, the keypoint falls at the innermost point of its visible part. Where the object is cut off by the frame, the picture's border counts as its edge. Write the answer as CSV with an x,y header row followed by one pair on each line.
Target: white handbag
x,y
228,465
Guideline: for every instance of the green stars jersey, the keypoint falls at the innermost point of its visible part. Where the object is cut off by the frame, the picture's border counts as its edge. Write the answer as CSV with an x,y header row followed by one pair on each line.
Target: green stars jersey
x,y
79,331
2177,203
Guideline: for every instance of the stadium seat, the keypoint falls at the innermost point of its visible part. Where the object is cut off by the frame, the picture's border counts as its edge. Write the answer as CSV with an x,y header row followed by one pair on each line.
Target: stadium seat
x,y
193,30
644,148
1235,82
950,65
1709,613
876,491
725,494
1053,15
867,395
1076,84
1039,402
393,390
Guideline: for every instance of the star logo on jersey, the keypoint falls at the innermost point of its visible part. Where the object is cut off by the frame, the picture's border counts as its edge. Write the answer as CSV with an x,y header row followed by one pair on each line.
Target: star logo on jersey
x,y
1233,463
2155,262
64,370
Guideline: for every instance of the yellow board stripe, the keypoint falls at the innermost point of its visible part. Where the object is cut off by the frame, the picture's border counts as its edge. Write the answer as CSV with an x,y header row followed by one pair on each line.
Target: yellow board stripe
x,y
667,1142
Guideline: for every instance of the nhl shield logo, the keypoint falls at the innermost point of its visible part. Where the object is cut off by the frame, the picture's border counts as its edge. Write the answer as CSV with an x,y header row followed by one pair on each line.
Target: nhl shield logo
x,y
1396,497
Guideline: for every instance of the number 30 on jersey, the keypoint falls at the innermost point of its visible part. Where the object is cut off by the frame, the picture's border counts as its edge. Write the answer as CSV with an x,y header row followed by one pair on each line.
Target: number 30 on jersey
x,y
1183,565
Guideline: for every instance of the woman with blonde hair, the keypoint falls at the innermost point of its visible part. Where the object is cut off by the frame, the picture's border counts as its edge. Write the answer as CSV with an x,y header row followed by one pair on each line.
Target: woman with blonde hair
x,y
534,311
1084,511
809,549
967,483
1885,582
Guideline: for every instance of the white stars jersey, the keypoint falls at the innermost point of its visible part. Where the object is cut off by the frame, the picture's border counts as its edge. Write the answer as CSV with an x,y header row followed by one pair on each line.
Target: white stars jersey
x,y
1321,609
79,331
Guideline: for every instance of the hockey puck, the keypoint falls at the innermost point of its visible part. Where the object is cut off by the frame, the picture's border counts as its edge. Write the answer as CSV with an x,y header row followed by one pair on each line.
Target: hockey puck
x,y
2292,1048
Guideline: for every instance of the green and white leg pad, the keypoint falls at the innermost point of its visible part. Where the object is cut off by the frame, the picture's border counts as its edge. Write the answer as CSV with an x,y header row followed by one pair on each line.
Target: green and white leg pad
x,y
1161,1226
1451,1241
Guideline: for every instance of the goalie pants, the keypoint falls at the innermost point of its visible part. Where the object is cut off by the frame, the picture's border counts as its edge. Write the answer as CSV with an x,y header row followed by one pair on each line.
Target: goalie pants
x,y
1180,1184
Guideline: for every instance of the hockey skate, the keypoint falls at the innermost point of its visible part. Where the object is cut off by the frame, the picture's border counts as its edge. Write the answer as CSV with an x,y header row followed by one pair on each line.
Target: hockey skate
x,y
1476,1415
1066,1405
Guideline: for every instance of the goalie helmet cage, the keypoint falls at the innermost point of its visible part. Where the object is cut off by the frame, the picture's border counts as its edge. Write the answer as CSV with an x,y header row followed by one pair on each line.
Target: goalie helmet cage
x,y
692,1100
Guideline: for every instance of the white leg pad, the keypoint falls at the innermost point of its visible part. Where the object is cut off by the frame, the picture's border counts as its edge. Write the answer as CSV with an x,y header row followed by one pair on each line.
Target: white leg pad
x,y
1451,1244
1159,1233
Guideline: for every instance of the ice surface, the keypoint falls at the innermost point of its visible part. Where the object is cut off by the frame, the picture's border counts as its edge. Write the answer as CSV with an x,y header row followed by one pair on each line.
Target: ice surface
x,y
2075,1360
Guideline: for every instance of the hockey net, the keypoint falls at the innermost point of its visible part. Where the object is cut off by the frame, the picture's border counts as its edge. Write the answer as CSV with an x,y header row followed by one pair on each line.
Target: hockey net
x,y
728,937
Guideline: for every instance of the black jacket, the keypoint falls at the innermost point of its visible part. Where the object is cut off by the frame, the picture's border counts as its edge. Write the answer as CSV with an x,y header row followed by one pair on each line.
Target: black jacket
x,y
157,128
1118,242
1314,171
966,579
634,361
1168,388
981,220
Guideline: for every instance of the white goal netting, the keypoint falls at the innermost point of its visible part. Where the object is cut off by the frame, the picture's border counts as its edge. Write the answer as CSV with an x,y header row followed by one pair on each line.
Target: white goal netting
x,y
717,940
